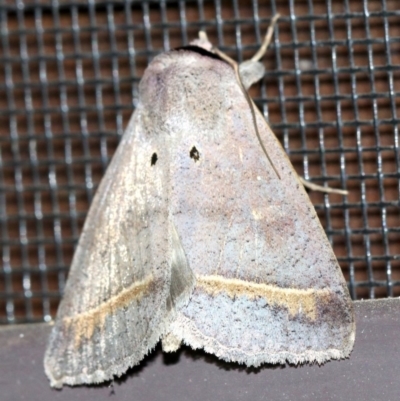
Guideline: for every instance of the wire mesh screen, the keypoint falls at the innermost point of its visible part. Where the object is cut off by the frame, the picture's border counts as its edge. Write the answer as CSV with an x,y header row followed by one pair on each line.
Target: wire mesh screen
x,y
69,74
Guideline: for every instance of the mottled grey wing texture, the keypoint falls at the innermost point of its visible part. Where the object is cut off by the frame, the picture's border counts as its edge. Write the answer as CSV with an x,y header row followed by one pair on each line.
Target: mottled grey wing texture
x,y
268,285
118,300
190,207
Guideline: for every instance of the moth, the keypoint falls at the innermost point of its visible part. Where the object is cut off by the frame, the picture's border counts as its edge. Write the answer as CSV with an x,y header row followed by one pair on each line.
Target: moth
x,y
200,233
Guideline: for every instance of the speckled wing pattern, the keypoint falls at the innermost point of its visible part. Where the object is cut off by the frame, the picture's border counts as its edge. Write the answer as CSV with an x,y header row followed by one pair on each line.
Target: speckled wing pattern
x,y
193,237
268,285
119,299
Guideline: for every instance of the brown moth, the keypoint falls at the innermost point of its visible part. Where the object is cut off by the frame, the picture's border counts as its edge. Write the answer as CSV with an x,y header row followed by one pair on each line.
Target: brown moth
x,y
195,236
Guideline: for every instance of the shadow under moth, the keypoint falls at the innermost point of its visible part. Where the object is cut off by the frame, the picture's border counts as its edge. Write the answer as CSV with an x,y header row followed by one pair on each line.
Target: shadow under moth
x,y
200,232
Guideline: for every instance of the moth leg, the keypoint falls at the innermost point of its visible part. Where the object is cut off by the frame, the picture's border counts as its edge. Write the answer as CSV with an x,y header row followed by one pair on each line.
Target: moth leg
x,y
320,188
267,39
261,51
252,71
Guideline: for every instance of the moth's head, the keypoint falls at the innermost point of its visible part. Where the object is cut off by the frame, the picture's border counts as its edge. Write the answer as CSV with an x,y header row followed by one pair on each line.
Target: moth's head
x,y
251,71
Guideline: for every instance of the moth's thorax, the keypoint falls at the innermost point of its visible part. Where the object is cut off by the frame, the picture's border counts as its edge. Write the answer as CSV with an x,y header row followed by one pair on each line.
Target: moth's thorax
x,y
183,91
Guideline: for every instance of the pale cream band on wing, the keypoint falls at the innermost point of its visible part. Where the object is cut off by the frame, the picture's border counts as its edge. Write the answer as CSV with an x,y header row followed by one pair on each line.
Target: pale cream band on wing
x,y
296,301
84,323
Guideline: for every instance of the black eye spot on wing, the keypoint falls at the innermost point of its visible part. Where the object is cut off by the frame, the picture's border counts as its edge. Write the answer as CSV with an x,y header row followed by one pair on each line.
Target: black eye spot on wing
x,y
154,159
194,154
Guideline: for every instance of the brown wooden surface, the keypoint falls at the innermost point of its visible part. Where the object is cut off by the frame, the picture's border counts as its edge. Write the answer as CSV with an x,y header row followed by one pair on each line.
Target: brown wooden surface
x,y
371,373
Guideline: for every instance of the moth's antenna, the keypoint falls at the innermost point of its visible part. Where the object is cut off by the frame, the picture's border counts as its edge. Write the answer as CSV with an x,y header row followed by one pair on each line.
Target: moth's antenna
x,y
249,101
235,67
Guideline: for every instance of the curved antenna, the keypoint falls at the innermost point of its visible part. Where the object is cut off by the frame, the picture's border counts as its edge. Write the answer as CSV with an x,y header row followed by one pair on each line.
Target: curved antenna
x,y
255,58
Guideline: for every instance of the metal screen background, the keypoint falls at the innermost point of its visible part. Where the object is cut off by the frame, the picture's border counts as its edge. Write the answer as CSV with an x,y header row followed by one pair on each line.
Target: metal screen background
x,y
69,74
